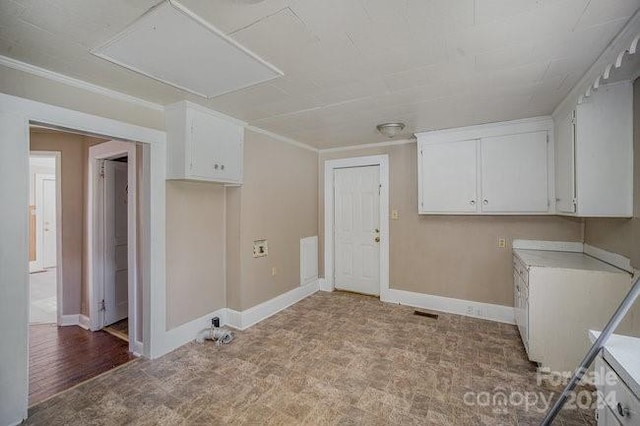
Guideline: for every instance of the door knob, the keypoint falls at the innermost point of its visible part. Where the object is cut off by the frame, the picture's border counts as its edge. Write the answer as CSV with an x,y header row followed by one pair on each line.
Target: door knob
x,y
377,231
472,202
377,239
485,202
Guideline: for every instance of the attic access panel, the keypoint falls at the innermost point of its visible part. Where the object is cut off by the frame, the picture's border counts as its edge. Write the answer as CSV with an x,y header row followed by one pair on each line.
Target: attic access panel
x,y
171,44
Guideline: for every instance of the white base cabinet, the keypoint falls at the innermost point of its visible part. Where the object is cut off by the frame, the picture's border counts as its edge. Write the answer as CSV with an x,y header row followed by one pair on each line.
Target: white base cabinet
x,y
559,296
616,377
203,145
492,169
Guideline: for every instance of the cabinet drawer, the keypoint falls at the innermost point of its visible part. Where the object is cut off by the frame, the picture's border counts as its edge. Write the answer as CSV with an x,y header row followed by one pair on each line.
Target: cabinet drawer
x,y
619,398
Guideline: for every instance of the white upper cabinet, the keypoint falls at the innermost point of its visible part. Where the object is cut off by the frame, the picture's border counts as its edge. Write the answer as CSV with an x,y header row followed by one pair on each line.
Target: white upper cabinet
x,y
498,168
594,155
514,173
450,170
565,173
203,145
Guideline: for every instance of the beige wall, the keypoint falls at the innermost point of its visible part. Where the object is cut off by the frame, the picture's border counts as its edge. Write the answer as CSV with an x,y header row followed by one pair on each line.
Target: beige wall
x,y
278,201
28,86
452,256
195,250
73,158
622,236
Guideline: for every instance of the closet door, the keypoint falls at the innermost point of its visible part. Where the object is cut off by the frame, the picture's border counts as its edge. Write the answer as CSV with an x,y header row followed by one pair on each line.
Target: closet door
x,y
514,173
448,177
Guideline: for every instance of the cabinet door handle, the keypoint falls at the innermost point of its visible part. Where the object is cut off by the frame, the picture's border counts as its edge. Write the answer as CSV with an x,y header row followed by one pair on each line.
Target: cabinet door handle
x,y
485,201
215,166
472,202
222,167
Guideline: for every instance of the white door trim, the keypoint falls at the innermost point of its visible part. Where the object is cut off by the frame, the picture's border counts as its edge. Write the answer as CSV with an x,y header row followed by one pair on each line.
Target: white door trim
x,y
57,155
329,266
17,115
96,238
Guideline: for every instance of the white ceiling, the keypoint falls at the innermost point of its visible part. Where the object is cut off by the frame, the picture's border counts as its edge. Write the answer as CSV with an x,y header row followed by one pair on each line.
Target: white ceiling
x,y
349,64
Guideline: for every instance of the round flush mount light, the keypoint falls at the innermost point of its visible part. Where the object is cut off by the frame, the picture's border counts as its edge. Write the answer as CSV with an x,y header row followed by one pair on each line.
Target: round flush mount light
x,y
390,130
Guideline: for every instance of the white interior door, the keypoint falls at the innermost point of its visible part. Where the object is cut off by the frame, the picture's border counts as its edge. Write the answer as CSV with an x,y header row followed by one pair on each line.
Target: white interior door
x,y
45,199
49,223
116,271
357,229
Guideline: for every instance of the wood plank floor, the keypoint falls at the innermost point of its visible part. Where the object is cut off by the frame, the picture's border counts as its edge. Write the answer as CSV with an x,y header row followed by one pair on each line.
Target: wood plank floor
x,y
62,357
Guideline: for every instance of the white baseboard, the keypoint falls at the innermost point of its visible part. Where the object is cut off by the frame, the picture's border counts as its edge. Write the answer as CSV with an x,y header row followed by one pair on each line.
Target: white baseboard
x,y
324,285
176,337
247,318
67,320
84,322
469,308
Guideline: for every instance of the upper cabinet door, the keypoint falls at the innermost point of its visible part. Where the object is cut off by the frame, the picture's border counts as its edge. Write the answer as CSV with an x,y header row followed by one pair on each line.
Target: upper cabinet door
x,y
448,177
216,148
514,173
565,165
202,145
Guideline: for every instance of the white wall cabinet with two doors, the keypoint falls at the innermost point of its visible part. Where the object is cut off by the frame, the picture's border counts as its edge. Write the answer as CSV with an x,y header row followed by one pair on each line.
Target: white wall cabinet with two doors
x,y
203,145
500,168
594,155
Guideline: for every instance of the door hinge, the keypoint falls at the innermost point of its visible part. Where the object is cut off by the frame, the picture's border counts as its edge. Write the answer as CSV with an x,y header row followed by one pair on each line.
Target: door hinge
x,y
101,171
547,138
102,306
380,189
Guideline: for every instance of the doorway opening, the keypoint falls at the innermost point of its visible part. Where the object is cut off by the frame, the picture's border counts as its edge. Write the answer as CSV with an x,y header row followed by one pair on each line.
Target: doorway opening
x,y
64,348
112,255
44,218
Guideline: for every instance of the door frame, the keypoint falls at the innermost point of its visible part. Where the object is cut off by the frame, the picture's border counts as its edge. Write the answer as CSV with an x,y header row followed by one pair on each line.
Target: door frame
x,y
96,235
17,115
329,211
57,156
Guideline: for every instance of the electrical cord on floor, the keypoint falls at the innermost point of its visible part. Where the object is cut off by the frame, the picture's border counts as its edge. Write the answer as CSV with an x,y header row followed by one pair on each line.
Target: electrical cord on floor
x,y
221,336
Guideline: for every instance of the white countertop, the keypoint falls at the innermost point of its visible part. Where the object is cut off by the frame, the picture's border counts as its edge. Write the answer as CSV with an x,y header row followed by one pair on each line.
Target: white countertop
x,y
623,354
565,260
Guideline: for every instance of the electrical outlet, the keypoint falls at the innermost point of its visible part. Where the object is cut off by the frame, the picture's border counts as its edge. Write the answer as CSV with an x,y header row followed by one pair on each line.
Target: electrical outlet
x,y
502,243
274,271
394,214
260,248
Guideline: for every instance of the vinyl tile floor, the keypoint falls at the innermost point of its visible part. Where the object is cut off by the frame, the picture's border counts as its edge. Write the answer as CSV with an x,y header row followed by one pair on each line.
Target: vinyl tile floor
x,y
331,359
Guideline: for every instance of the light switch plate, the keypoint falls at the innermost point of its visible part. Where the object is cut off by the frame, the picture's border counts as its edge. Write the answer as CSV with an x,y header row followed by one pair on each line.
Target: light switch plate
x,y
260,248
502,243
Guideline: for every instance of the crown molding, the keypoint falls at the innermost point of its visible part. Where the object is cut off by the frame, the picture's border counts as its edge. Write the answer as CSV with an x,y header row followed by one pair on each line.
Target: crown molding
x,y
74,82
282,138
81,84
368,145
619,43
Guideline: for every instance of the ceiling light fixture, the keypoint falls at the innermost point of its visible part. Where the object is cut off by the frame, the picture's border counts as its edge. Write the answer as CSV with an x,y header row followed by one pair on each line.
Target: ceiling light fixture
x,y
390,130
